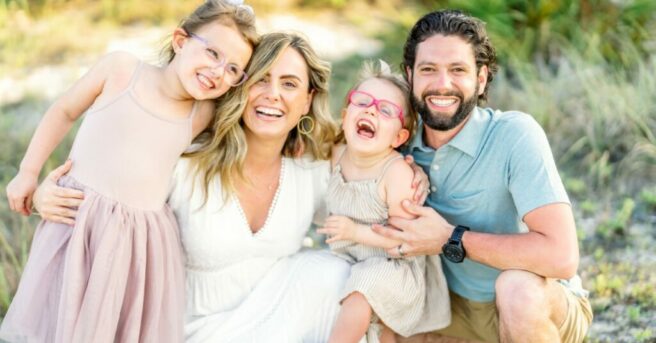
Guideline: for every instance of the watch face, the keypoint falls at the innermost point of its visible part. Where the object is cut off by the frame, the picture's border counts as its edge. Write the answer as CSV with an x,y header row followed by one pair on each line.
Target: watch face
x,y
453,253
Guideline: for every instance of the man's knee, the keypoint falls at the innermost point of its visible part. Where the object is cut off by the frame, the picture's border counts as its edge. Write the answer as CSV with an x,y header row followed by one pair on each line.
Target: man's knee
x,y
520,293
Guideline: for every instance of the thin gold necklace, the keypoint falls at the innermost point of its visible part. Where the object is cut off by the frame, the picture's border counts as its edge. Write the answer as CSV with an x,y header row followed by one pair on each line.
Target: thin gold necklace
x,y
272,180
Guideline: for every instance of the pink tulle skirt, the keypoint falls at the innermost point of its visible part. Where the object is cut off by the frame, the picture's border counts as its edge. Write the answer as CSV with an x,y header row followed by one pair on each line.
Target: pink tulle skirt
x,y
116,276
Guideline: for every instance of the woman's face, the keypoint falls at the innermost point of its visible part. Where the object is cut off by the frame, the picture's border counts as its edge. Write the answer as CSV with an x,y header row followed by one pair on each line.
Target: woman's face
x,y
278,100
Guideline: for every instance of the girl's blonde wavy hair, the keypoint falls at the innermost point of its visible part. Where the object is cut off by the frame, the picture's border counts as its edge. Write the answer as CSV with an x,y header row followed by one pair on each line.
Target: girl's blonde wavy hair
x,y
222,148
240,17
382,71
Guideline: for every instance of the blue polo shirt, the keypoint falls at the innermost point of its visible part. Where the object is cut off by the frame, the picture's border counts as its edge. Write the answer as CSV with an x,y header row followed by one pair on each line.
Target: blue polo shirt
x,y
495,170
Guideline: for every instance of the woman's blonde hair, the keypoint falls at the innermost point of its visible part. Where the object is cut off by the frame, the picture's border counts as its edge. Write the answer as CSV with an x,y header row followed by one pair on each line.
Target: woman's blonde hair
x,y
222,148
241,17
382,71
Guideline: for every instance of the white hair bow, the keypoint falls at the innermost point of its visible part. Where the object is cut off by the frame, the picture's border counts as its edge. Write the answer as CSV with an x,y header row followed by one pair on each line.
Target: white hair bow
x,y
240,4
384,67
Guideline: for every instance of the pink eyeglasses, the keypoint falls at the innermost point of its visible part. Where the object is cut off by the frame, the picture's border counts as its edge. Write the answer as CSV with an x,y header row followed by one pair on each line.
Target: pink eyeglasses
x,y
388,109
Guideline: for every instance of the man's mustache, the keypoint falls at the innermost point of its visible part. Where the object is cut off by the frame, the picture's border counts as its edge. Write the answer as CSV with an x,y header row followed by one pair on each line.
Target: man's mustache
x,y
439,93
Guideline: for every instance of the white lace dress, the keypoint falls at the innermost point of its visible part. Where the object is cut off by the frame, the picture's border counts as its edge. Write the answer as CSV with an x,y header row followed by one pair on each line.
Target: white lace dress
x,y
245,287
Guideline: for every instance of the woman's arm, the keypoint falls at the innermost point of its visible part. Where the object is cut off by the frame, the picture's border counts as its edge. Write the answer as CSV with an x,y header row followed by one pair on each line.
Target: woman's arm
x,y
54,125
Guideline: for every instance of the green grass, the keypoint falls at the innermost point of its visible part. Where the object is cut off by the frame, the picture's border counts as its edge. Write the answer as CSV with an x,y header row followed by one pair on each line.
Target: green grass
x,y
599,119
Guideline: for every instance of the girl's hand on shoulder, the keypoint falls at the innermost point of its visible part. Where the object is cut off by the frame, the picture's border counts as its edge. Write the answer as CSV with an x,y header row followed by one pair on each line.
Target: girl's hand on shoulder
x,y
338,228
20,191
420,182
54,203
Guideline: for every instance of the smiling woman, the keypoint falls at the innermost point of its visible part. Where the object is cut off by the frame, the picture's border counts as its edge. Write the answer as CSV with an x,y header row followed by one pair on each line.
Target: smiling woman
x,y
247,206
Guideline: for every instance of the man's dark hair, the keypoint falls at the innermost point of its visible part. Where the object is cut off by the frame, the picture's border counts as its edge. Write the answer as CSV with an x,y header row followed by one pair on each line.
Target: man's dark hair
x,y
453,23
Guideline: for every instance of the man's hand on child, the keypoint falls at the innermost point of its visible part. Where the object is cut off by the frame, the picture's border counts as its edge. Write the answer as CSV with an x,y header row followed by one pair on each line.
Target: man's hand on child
x,y
424,235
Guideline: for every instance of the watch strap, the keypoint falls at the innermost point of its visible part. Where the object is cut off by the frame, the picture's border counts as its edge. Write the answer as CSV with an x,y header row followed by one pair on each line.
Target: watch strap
x,y
458,232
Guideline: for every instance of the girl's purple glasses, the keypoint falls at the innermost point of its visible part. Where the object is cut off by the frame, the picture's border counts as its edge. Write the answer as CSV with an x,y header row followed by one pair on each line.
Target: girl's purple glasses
x,y
234,75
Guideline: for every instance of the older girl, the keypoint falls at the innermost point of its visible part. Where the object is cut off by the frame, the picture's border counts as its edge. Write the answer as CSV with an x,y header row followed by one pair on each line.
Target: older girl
x,y
116,273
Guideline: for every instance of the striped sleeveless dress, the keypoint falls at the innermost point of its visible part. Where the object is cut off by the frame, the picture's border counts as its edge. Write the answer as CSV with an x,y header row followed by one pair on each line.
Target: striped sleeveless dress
x,y
409,294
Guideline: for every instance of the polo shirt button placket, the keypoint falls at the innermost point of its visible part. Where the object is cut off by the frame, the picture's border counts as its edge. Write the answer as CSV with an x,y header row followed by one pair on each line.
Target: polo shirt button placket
x,y
435,168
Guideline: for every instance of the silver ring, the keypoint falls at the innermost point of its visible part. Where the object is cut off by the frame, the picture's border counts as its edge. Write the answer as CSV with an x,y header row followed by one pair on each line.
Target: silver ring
x,y
400,250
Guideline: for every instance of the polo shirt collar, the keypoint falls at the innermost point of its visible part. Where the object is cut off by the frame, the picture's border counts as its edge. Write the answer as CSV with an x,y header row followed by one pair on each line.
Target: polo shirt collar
x,y
467,140
417,142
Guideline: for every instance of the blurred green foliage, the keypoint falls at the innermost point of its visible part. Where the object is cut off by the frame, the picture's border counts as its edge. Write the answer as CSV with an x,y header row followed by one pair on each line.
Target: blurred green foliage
x,y
644,335
118,12
617,226
542,30
53,31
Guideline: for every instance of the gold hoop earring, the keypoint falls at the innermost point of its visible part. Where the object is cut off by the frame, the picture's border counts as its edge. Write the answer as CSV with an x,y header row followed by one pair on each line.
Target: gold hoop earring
x,y
303,128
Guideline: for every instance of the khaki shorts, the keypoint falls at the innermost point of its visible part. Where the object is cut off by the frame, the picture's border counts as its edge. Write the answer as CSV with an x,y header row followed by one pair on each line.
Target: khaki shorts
x,y
479,321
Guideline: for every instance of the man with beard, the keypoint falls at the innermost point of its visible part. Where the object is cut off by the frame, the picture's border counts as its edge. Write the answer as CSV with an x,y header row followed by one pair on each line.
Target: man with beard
x,y
498,212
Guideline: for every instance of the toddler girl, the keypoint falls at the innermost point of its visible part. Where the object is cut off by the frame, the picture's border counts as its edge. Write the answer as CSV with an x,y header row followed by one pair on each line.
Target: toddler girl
x,y
368,183
116,273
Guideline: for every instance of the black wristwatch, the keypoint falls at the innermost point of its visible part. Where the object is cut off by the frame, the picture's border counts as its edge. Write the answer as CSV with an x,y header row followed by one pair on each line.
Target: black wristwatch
x,y
453,249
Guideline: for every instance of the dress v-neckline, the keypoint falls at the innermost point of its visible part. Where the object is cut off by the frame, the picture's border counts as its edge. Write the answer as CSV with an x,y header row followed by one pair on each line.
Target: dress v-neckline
x,y
272,207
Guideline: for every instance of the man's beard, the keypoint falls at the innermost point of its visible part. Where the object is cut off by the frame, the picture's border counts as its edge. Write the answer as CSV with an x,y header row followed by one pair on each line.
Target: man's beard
x,y
441,121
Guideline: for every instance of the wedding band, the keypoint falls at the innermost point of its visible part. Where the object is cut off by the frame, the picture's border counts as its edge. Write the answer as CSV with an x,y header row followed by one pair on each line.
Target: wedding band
x,y
400,250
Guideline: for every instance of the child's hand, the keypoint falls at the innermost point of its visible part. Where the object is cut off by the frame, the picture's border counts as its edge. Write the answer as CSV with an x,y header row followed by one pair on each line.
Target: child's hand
x,y
338,228
20,191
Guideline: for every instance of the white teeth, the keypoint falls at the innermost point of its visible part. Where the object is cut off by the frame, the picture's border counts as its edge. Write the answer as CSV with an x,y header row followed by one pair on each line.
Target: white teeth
x,y
365,128
442,102
269,111
364,123
205,81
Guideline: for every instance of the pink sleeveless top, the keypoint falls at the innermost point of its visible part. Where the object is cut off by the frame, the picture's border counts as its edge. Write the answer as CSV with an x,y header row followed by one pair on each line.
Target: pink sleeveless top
x,y
127,153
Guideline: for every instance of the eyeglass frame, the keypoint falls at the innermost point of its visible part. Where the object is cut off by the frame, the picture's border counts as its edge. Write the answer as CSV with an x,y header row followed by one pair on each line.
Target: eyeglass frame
x,y
223,60
375,102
